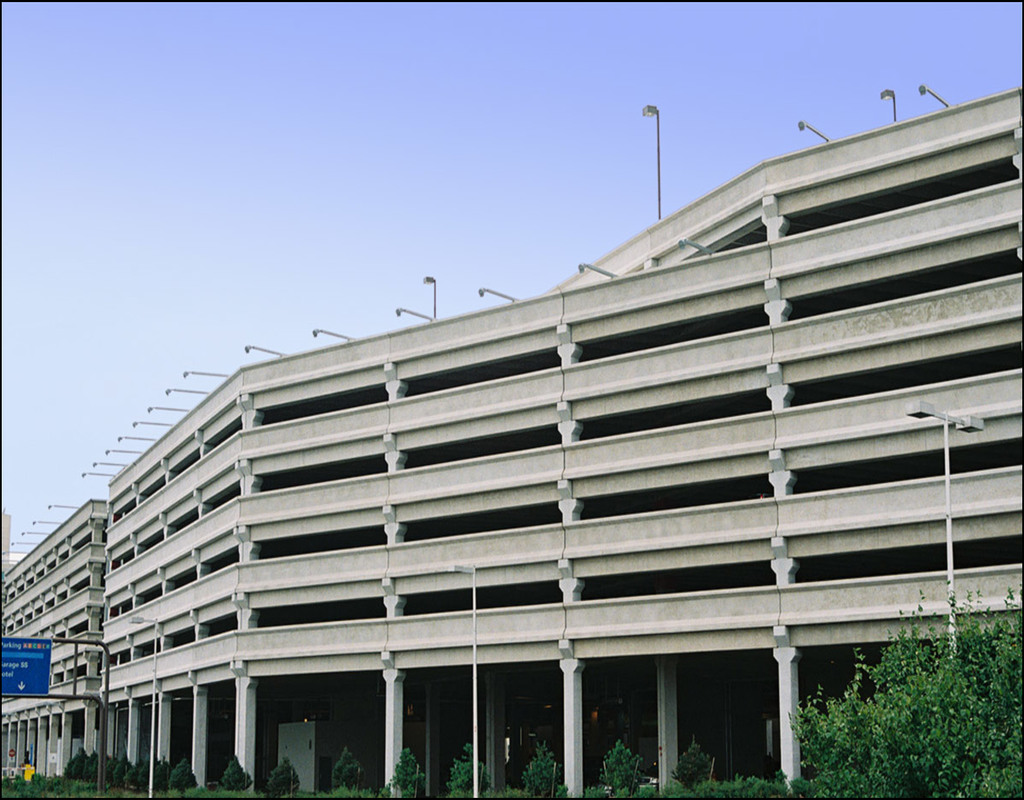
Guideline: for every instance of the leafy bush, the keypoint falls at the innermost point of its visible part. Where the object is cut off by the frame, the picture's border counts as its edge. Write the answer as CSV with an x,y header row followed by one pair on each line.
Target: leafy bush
x,y
408,778
460,780
347,771
594,791
235,779
283,780
161,775
182,778
693,766
118,772
944,719
75,766
744,787
620,770
138,775
543,776
90,766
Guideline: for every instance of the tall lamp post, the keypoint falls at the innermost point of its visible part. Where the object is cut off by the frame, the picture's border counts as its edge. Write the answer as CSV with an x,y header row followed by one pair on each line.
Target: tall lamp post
x,y
153,743
476,695
922,410
652,111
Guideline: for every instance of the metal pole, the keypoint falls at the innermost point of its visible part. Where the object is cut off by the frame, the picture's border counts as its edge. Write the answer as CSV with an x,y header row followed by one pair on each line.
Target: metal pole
x,y
657,123
476,699
152,720
949,527
435,299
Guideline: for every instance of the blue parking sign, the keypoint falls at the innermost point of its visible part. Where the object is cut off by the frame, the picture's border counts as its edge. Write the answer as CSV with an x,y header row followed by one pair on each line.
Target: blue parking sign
x,y
26,666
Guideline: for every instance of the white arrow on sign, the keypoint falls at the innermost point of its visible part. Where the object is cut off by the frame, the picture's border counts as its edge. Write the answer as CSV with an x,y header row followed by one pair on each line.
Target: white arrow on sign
x,y
22,685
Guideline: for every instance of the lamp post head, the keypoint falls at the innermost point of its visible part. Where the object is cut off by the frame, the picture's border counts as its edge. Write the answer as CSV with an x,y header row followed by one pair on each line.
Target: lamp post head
x,y
922,89
398,312
888,94
480,292
316,332
248,348
650,111
801,125
429,279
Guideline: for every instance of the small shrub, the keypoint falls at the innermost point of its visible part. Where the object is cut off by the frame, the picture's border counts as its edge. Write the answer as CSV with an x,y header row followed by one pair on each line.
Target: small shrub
x,y
594,791
137,776
90,766
235,779
283,780
118,772
75,766
408,778
347,771
693,766
460,780
543,776
161,775
620,769
182,778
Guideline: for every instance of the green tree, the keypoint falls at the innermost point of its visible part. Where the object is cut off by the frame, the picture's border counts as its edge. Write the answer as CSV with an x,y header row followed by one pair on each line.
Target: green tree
x,y
408,779
944,719
460,779
543,776
283,780
347,771
182,778
693,766
620,770
234,778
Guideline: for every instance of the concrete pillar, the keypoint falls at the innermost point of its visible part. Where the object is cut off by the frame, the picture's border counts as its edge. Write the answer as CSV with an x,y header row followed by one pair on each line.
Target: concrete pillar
x,y
65,741
245,717
19,744
567,426
781,479
572,587
784,567
248,550
200,731
394,603
163,749
433,740
251,418
31,728
394,708
789,698
568,352
134,712
570,507
668,717
779,392
90,728
777,308
200,437
248,618
197,497
394,457
52,743
248,483
494,728
396,391
394,530
776,224
42,743
572,719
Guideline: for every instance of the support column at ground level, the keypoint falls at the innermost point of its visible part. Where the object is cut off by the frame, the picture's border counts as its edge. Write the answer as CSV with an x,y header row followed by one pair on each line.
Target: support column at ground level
x,y
572,721
42,743
394,706
164,734
789,698
200,732
132,745
245,718
19,749
90,728
65,740
494,727
31,734
668,717
433,740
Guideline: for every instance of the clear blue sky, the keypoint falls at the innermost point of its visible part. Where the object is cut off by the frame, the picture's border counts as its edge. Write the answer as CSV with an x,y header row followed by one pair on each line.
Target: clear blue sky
x,y
180,180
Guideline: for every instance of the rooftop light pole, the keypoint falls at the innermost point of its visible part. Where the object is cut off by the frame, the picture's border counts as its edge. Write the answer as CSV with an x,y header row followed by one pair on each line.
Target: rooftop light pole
x,y
318,331
46,521
925,90
151,409
133,452
599,270
188,372
652,111
922,410
802,124
433,283
400,311
155,424
168,392
889,94
136,438
107,464
251,347
690,243
482,291
58,505
98,474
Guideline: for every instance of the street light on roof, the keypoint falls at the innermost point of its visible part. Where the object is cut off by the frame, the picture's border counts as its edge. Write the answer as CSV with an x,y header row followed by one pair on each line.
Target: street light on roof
x,y
889,94
803,124
925,90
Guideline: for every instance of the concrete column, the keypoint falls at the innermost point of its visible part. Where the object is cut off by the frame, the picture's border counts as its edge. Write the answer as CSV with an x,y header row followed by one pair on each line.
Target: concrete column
x,y
394,603
134,713
494,728
248,550
571,587
789,698
568,352
200,437
779,392
65,742
570,507
776,224
200,731
90,728
42,743
394,530
248,618
248,483
572,720
19,743
777,308
164,732
782,479
668,717
567,426
197,497
784,567
31,729
433,740
251,418
394,708
394,457
245,717
396,391
53,743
